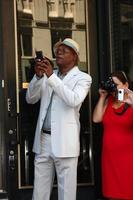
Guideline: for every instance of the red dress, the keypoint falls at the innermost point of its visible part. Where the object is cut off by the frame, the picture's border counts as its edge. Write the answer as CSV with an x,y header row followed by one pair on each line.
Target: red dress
x,y
117,153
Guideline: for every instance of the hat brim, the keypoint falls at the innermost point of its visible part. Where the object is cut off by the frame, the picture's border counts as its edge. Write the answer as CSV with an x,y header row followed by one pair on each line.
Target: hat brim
x,y
61,43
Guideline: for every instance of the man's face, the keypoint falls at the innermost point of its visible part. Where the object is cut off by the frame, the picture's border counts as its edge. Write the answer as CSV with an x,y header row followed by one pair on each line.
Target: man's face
x,y
65,56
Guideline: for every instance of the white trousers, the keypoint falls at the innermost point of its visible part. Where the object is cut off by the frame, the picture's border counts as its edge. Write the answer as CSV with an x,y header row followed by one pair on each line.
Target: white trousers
x,y
45,166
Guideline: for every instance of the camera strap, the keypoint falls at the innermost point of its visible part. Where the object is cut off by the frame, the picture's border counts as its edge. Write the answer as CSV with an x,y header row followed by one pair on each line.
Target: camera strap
x,y
126,106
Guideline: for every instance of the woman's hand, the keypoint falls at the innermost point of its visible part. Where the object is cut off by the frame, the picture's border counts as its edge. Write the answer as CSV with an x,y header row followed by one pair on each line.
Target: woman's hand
x,y
129,98
103,93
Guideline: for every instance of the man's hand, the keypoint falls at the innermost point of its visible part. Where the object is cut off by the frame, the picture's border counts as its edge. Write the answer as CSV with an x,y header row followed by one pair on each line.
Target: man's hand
x,y
38,68
43,66
47,67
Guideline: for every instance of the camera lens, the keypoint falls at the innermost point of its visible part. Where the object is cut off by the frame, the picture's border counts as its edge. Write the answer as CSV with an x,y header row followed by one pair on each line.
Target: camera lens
x,y
108,85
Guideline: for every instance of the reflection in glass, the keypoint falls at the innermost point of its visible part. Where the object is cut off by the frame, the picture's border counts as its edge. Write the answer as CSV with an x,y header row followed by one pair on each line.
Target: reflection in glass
x,y
127,37
42,23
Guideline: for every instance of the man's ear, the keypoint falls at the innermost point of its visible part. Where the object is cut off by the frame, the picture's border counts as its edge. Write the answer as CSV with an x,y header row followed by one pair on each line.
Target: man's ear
x,y
75,58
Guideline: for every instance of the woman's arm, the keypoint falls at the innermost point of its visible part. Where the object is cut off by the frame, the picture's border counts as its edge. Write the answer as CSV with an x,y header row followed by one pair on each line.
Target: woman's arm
x,y
100,106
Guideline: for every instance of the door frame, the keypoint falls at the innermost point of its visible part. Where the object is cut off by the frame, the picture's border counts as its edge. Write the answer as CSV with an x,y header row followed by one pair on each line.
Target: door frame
x,y
9,121
3,192
9,63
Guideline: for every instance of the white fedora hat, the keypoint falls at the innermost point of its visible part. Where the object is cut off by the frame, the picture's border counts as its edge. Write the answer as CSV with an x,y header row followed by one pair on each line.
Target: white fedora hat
x,y
68,42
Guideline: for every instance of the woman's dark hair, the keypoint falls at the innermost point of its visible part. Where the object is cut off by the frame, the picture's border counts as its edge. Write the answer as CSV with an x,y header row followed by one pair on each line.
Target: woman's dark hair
x,y
122,77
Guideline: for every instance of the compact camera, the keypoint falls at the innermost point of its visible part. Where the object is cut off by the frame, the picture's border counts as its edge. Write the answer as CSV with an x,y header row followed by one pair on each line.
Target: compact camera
x,y
120,94
39,55
108,85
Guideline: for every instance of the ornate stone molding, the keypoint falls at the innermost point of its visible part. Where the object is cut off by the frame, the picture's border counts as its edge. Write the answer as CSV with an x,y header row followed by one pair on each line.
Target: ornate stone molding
x,y
69,8
53,8
27,6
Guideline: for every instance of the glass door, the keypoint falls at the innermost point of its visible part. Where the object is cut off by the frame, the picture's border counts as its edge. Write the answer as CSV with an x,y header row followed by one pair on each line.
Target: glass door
x,y
40,24
121,36
126,21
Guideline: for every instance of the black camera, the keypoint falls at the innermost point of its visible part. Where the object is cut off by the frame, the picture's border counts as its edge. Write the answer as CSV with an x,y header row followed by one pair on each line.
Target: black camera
x,y
108,85
39,55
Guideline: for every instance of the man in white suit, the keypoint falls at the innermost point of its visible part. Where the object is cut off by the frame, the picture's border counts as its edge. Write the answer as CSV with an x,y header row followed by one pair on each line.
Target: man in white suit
x,y
56,144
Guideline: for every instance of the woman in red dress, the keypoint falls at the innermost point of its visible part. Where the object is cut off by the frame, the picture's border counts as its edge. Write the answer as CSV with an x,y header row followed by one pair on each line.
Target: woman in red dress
x,y
117,149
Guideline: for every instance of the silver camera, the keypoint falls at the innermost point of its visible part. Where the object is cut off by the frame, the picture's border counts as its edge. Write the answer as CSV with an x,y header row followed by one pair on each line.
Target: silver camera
x,y
120,94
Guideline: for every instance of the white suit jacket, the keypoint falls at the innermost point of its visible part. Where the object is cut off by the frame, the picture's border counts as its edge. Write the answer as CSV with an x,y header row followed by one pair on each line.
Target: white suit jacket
x,y
68,96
